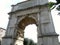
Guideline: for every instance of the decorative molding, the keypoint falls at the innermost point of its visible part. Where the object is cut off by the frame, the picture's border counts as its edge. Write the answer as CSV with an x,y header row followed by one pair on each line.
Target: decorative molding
x,y
47,35
9,37
27,5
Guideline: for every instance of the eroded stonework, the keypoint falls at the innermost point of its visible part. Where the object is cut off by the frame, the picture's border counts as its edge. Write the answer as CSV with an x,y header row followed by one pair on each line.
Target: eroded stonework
x,y
31,12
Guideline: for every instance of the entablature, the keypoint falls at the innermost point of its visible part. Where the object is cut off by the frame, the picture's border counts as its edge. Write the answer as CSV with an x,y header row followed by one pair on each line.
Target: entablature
x,y
28,4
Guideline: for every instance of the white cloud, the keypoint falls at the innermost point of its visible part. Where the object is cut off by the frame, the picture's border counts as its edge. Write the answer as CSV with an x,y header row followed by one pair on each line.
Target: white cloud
x,y
52,0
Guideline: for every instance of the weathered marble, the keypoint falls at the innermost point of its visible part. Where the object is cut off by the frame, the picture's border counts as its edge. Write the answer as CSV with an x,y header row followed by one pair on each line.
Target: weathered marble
x,y
36,12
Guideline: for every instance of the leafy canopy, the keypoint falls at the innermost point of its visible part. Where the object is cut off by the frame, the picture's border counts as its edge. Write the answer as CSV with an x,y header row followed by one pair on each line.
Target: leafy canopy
x,y
55,4
58,1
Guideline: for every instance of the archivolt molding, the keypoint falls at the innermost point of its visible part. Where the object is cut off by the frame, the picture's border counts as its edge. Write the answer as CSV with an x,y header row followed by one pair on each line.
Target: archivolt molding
x,y
34,16
26,21
23,21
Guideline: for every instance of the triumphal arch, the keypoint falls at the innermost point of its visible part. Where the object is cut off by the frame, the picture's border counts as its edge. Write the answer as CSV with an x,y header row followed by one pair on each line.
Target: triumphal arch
x,y
31,12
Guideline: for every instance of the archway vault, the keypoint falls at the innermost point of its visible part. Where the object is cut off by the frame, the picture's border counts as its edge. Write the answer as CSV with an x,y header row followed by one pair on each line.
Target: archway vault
x,y
21,26
23,23
26,21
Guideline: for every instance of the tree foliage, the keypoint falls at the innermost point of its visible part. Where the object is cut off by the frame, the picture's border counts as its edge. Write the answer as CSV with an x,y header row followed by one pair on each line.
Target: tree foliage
x,y
55,4
51,4
29,42
58,1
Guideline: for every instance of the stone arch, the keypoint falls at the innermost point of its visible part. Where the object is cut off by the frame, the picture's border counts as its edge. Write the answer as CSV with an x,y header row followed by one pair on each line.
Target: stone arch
x,y
22,24
26,21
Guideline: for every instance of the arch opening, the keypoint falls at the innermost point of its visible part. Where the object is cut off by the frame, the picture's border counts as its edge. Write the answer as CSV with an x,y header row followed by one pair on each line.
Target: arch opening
x,y
27,22
30,32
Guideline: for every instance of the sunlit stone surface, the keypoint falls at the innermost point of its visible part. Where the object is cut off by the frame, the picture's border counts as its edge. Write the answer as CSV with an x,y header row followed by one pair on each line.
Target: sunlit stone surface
x,y
19,41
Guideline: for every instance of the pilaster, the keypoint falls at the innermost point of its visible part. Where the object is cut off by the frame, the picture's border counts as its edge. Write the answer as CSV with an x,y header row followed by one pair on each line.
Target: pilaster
x,y
47,34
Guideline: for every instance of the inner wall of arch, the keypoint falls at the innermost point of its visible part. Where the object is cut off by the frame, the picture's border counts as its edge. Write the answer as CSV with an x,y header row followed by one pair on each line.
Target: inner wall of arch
x,y
27,29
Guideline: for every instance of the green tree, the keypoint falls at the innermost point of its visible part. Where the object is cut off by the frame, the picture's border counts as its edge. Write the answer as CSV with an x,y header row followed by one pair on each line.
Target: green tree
x,y
58,1
53,4
29,42
56,5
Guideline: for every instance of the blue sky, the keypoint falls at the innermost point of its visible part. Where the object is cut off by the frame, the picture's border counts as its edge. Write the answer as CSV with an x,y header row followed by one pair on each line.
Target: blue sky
x,y
5,7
